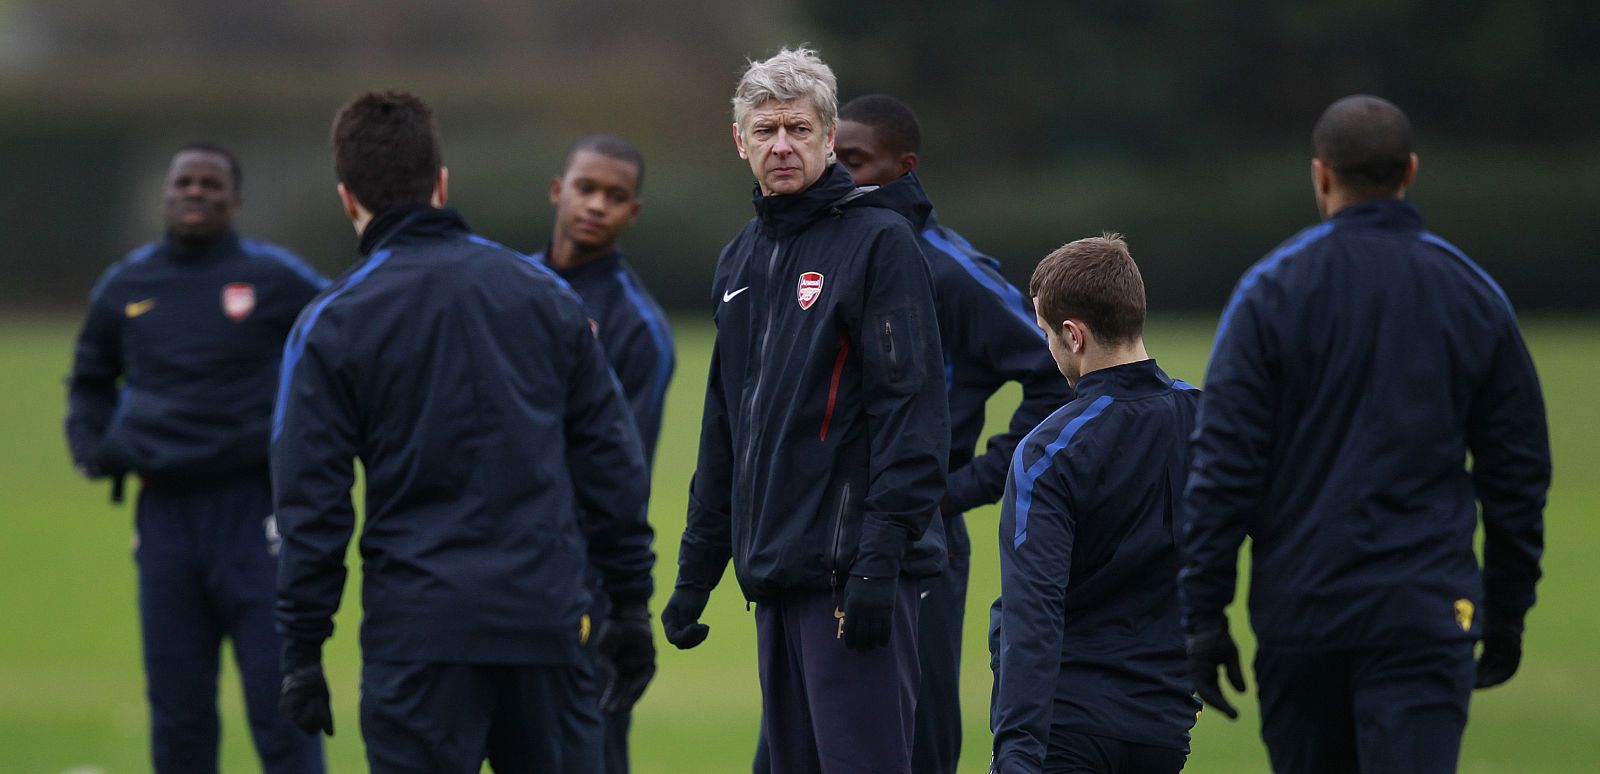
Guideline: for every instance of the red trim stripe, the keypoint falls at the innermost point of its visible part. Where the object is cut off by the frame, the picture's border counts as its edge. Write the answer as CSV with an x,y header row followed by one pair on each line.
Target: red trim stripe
x,y
833,387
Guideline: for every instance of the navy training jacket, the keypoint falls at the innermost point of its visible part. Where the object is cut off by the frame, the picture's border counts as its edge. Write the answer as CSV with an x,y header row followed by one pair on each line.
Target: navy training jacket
x,y
826,433
634,333
1355,368
500,457
194,336
1090,638
989,337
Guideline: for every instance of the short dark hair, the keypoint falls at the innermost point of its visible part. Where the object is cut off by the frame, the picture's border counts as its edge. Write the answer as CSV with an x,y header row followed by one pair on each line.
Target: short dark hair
x,y
896,126
386,150
612,147
1094,280
1366,142
234,169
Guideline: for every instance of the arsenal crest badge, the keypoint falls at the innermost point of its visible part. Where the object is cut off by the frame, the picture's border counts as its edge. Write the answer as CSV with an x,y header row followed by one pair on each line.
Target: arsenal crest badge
x,y
238,300
810,289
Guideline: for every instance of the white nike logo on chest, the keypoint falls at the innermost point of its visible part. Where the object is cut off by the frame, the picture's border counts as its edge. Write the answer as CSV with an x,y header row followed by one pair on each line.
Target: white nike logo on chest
x,y
727,296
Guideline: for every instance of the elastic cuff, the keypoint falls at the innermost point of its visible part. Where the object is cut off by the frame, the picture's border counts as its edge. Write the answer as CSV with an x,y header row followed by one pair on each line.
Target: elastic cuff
x,y
882,548
299,653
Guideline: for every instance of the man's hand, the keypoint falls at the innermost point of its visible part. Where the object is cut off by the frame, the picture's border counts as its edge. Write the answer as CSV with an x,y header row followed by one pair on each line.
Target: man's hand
x,y
868,612
680,619
304,699
1210,648
1502,651
626,641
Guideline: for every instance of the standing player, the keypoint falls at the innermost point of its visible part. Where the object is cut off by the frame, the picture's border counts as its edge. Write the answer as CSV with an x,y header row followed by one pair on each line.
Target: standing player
x,y
597,198
1091,673
193,328
502,469
989,336
1355,369
824,441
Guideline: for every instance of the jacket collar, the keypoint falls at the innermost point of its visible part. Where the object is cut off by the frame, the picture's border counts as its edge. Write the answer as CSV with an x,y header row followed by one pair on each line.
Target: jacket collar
x,y
1381,213
1129,380
789,214
605,264
227,244
906,196
401,223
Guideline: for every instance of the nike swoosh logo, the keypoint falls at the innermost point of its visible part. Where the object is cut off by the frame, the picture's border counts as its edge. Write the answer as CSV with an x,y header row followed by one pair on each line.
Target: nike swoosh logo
x,y
726,296
136,308
923,595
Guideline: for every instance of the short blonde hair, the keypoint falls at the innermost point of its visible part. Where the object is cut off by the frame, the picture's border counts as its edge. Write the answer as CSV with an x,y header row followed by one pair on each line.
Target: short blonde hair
x,y
790,74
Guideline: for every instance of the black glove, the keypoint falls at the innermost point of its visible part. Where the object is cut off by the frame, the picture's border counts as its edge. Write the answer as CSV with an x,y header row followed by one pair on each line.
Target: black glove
x,y
680,619
868,612
304,699
626,642
1210,648
1502,650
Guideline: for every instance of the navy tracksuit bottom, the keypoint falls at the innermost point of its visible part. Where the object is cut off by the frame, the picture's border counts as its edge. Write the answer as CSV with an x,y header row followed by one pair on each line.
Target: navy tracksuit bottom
x,y
1402,708
937,747
207,560
440,718
827,709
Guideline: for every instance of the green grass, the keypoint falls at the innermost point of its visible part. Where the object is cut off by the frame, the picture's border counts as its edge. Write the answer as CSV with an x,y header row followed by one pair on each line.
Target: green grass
x,y
71,689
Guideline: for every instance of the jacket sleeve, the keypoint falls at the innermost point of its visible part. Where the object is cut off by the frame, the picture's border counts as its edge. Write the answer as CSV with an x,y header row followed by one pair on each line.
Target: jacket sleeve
x,y
92,386
1230,454
908,414
610,479
1035,565
1510,446
707,543
315,440
994,332
642,358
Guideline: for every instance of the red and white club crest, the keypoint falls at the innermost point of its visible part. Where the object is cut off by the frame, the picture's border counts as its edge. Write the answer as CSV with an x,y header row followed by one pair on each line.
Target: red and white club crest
x,y
238,300
810,289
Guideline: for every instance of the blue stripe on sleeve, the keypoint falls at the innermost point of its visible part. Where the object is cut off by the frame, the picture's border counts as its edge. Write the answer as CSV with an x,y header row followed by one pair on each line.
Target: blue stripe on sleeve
x,y
1179,384
1010,297
293,262
295,347
1251,277
1025,478
138,255
658,333
1434,239
536,261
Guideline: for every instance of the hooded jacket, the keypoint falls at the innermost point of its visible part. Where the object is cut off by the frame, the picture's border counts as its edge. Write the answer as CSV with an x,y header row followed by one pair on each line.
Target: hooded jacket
x,y
826,433
501,462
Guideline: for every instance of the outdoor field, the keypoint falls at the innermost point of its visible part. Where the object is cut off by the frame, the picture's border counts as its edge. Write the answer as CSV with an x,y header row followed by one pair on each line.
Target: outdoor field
x,y
71,687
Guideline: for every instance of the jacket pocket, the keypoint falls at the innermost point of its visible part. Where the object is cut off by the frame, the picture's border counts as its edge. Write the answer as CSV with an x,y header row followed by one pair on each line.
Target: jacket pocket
x,y
898,349
836,557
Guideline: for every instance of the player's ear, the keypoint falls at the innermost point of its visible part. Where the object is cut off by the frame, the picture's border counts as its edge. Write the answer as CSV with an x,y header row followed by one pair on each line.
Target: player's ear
x,y
907,163
1411,172
555,191
441,187
738,142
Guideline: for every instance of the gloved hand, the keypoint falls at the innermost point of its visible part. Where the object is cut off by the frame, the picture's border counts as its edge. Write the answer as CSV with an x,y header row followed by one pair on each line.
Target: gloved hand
x,y
680,619
868,612
1502,651
304,699
1210,648
626,641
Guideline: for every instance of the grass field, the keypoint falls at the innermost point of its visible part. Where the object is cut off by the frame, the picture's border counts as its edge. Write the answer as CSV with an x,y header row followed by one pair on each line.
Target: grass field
x,y
71,688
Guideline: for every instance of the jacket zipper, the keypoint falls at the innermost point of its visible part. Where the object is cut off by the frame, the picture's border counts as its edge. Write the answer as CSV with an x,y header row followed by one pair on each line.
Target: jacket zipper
x,y
761,361
888,347
838,534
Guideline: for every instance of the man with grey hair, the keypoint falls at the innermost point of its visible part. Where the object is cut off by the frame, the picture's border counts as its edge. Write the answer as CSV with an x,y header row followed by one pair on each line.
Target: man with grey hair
x,y
824,439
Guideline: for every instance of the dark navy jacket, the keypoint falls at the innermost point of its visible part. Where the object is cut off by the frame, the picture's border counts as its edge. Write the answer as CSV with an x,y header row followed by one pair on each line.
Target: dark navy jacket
x,y
825,438
634,333
1355,368
989,336
1090,637
195,336
500,458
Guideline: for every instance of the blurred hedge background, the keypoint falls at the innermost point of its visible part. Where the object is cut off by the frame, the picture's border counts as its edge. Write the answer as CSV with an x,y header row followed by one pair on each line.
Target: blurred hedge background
x,y
1184,125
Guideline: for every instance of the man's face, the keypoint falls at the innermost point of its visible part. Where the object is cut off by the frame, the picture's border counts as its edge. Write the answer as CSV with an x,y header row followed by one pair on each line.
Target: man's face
x,y
785,145
596,200
868,161
1060,350
201,198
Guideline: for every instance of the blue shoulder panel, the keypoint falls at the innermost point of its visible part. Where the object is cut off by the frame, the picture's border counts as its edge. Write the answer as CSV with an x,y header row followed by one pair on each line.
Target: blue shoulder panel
x,y
282,255
658,331
138,255
1026,477
1008,294
1434,239
295,347
1300,242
